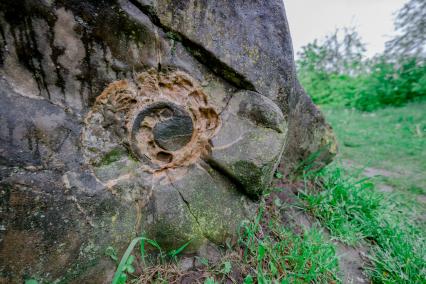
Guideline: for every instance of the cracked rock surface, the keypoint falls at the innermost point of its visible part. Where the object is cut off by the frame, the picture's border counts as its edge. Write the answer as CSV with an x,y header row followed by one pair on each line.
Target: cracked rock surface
x,y
127,117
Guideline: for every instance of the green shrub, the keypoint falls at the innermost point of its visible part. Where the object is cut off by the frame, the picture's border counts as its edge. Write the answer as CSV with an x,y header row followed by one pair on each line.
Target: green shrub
x,y
383,83
391,83
335,72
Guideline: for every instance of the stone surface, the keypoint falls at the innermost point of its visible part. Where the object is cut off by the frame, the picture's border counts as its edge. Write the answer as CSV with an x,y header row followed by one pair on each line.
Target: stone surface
x,y
251,46
119,118
173,133
249,145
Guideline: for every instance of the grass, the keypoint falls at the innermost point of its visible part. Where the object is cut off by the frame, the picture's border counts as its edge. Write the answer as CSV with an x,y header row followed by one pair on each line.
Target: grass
x,y
278,255
266,252
345,206
126,265
393,139
354,212
392,143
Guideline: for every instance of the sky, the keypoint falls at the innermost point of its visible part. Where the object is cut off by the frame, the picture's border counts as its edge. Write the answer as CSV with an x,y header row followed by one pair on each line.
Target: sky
x,y
373,19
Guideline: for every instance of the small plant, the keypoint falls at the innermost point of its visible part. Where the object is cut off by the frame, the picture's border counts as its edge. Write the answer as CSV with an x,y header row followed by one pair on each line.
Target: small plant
x,y
279,175
110,251
174,253
345,206
227,268
210,280
126,263
248,279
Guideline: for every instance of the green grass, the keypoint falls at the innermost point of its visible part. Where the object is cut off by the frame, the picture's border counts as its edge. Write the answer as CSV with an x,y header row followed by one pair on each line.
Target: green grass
x,y
278,255
354,212
345,206
393,139
267,252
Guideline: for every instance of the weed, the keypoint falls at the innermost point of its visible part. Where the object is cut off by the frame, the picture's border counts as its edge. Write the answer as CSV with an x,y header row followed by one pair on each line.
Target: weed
x,y
279,175
227,267
126,263
267,252
174,253
110,251
248,280
210,280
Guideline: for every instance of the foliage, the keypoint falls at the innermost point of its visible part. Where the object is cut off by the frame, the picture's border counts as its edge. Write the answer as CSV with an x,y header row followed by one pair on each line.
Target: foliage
x,y
379,83
354,211
390,83
339,53
344,205
334,71
267,252
210,280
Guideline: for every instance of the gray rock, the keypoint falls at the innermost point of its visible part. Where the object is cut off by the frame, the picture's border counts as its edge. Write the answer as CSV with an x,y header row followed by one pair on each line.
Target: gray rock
x,y
186,263
119,118
174,133
250,45
250,143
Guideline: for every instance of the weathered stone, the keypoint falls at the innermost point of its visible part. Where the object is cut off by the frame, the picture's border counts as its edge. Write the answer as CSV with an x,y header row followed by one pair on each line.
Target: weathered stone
x,y
173,133
120,117
182,197
250,143
251,46
186,263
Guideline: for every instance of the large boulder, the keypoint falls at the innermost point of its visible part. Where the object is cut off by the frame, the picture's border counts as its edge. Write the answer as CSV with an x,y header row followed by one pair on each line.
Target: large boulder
x,y
129,117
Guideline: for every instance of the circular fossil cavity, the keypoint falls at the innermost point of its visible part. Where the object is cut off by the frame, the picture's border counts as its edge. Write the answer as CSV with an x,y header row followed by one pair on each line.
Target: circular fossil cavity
x,y
161,124
163,118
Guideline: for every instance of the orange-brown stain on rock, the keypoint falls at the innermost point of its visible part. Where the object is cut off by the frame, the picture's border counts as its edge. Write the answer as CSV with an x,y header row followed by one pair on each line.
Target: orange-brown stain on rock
x,y
163,119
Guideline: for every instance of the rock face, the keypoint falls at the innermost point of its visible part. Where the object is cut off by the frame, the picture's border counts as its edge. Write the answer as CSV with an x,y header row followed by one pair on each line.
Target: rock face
x,y
121,118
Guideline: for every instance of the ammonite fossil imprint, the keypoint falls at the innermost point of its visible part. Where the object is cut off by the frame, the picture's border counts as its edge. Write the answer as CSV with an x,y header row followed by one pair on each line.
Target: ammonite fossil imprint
x,y
156,141
163,119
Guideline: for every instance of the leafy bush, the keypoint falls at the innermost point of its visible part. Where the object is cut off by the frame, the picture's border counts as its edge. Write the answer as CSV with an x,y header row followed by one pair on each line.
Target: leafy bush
x,y
334,71
391,83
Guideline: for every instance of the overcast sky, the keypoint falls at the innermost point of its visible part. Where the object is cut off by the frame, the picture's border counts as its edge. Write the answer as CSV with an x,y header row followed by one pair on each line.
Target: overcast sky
x,y
373,19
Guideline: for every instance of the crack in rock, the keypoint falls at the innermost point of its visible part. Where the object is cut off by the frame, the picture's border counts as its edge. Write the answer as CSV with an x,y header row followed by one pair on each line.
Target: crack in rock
x,y
199,52
190,210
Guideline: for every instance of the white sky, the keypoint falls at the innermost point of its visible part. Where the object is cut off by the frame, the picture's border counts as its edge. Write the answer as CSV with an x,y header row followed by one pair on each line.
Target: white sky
x,y
373,19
